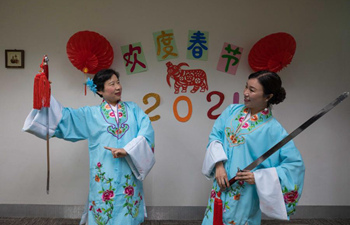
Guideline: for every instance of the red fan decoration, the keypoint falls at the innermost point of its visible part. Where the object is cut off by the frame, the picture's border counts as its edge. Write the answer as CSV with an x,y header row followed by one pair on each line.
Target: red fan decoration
x,y
89,51
273,52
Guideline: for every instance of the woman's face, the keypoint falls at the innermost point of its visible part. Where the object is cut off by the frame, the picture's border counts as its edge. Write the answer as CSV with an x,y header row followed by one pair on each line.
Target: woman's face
x,y
112,92
254,96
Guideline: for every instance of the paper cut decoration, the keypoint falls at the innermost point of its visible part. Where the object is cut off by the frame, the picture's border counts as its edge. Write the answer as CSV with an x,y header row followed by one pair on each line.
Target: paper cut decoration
x,y
197,47
89,52
229,58
273,52
184,78
134,58
210,112
189,104
165,45
153,107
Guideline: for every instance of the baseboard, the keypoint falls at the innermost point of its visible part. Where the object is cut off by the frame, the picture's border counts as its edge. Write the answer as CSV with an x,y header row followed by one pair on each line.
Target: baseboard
x,y
161,212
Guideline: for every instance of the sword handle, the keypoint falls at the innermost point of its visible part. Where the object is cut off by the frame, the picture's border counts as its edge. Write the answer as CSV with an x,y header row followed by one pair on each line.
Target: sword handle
x,y
232,180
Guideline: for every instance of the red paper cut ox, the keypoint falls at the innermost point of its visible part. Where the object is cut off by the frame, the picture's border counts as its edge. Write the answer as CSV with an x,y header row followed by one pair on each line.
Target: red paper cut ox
x,y
273,52
89,51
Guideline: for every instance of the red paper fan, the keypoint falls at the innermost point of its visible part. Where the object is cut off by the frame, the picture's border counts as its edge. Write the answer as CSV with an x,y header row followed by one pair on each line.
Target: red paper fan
x,y
89,52
273,52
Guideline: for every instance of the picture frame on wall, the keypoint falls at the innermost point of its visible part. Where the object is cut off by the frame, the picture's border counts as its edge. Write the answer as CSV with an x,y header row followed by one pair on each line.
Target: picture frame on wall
x,y
14,58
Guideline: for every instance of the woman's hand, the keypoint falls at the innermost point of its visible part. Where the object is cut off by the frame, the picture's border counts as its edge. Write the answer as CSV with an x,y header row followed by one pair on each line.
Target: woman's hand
x,y
221,176
246,176
117,152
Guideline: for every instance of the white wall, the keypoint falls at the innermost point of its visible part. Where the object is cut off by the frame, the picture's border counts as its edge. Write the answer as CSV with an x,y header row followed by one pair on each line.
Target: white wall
x,y
318,73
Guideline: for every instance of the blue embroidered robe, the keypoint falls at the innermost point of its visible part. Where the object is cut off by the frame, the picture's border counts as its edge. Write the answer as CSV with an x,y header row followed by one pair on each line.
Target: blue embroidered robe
x,y
116,195
279,179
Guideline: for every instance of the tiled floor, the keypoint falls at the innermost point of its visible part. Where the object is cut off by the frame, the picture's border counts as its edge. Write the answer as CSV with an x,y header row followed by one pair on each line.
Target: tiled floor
x,y
51,221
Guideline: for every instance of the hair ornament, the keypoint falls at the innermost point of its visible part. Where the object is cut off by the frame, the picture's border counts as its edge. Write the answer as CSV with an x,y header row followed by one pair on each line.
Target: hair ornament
x,y
91,85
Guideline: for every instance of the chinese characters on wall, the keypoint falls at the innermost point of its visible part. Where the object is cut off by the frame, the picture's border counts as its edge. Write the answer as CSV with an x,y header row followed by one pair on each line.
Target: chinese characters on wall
x,y
165,47
181,75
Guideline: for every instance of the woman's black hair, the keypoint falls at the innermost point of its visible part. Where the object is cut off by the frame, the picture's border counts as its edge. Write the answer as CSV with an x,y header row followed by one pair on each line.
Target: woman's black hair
x,y
272,84
101,77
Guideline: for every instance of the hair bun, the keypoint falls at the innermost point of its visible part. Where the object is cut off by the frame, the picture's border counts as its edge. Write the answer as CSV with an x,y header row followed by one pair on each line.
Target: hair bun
x,y
278,97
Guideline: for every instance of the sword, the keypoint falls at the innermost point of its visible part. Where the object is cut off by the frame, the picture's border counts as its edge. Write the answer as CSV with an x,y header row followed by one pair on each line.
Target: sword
x,y
292,135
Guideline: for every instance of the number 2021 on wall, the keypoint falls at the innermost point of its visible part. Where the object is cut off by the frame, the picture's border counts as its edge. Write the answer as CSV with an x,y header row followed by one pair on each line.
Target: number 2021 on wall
x,y
189,104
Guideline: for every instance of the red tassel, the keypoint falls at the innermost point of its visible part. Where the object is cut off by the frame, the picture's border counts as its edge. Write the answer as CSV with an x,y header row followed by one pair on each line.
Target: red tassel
x,y
85,77
46,70
42,91
46,93
217,219
37,104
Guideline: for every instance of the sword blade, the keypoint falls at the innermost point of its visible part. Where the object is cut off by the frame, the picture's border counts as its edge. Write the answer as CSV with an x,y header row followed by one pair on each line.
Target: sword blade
x,y
292,135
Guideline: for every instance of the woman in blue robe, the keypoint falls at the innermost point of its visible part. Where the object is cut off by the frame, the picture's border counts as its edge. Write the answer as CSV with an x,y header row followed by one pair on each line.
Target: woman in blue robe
x,y
121,144
242,134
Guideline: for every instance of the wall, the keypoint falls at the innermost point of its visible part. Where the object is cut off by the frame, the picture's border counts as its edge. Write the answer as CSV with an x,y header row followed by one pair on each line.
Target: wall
x,y
317,74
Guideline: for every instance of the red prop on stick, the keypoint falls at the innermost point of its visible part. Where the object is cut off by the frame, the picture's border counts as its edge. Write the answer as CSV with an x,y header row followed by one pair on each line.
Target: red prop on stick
x,y
41,98
89,52
273,52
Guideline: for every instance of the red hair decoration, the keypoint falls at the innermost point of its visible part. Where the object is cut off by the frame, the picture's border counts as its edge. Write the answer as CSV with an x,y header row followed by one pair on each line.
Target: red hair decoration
x,y
89,51
273,52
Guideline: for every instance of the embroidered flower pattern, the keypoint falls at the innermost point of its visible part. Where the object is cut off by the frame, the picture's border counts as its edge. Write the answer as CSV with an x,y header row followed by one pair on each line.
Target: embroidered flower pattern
x,y
131,205
117,127
103,214
254,118
291,198
236,190
111,114
235,136
107,195
129,190
213,193
265,111
210,205
245,125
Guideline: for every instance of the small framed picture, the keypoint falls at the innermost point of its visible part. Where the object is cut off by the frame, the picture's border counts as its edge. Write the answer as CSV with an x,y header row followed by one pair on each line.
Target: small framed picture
x,y
14,58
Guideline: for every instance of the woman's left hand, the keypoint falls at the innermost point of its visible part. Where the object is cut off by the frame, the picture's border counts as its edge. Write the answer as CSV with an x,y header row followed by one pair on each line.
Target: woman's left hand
x,y
117,152
246,176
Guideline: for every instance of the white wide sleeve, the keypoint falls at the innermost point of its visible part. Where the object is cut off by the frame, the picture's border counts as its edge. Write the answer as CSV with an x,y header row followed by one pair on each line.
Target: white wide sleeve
x,y
36,121
270,195
215,153
140,157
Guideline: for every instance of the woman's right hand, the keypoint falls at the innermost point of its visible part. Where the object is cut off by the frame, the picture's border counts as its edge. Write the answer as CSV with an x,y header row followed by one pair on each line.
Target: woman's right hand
x,y
221,176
